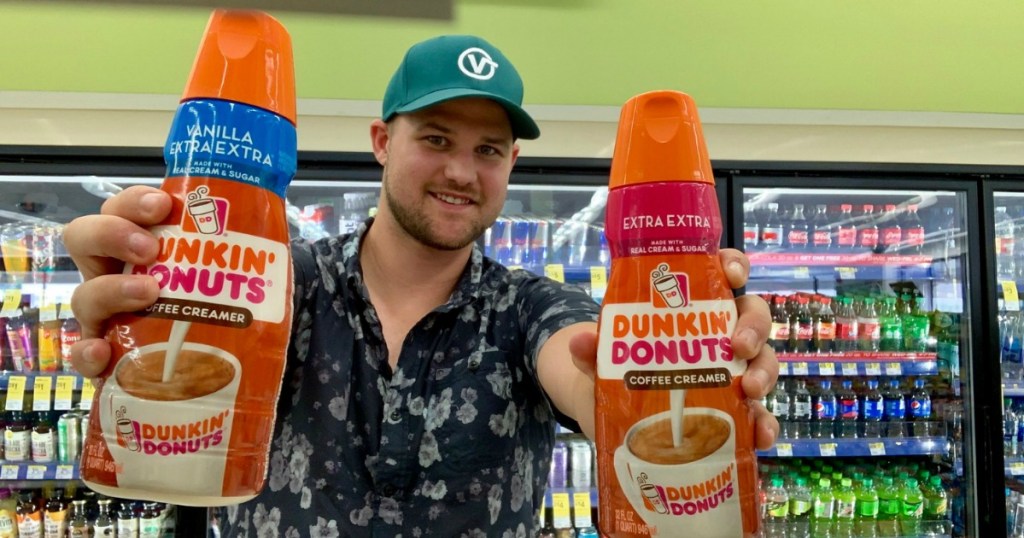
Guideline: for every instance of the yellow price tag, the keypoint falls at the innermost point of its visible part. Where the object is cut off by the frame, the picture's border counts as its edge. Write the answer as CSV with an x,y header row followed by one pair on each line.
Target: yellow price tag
x,y
581,509
62,394
1017,468
88,389
893,368
876,449
514,267
847,273
65,472
9,472
873,369
35,472
48,312
12,301
15,393
802,273
560,510
555,271
598,277
827,368
849,368
1011,301
800,368
41,390
784,450
828,450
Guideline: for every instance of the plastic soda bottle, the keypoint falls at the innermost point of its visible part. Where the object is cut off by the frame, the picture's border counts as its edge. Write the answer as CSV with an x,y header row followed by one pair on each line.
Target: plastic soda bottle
x,y
872,410
867,509
779,337
849,410
869,330
846,508
825,412
825,328
847,327
895,410
800,508
777,499
218,334
891,326
663,228
823,511
921,409
911,507
936,508
889,506
801,407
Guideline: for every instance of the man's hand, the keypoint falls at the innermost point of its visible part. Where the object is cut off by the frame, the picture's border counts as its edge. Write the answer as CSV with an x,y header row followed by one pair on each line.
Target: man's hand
x,y
100,245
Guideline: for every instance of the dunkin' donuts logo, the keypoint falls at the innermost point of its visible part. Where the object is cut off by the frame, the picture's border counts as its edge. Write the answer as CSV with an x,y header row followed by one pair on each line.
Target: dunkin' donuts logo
x,y
672,289
169,439
205,214
688,499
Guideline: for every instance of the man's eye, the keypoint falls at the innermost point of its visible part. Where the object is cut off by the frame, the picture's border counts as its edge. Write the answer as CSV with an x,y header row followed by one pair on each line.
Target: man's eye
x,y
435,140
489,150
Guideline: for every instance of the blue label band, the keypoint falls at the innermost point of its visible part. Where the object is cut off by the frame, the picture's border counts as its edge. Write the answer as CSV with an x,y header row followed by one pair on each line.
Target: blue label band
x,y
222,139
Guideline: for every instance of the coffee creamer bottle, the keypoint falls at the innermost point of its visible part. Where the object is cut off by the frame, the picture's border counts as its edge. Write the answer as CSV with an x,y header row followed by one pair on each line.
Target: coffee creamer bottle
x,y
185,412
675,437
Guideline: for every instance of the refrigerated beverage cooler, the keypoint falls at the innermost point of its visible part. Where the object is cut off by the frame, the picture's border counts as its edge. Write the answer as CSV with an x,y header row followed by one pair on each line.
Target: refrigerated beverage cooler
x,y
868,291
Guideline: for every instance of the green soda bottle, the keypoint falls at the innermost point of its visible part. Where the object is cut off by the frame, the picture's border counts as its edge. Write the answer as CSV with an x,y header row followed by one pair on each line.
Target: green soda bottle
x,y
823,512
800,505
889,504
936,507
867,509
911,508
846,509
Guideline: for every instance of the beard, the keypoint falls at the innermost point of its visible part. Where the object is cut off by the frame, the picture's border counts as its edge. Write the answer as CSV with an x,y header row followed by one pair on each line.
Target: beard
x,y
415,222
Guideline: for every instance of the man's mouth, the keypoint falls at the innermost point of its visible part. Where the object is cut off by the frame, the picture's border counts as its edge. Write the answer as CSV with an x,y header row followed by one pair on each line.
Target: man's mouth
x,y
452,199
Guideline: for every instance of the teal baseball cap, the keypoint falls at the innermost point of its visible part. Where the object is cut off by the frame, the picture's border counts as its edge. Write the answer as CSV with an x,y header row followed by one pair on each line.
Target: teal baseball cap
x,y
453,66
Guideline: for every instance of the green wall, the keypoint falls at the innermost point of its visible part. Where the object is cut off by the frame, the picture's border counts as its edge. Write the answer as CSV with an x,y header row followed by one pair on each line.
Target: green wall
x,y
911,55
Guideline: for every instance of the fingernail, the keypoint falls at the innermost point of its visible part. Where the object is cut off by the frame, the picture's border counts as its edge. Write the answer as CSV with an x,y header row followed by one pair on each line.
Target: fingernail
x,y
736,267
149,201
747,337
87,353
134,288
140,244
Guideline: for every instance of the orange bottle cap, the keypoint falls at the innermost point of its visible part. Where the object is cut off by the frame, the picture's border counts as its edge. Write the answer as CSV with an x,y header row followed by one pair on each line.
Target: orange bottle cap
x,y
246,57
660,139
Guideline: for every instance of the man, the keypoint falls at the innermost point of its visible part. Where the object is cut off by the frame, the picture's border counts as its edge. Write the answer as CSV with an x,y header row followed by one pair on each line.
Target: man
x,y
423,381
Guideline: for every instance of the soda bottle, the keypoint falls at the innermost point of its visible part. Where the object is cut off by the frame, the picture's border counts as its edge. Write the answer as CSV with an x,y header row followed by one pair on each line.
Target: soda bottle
x,y
868,329
846,509
798,236
916,327
947,248
801,329
891,235
1005,269
778,402
779,337
846,229
802,412
1011,352
913,232
778,509
823,513
890,326
889,505
771,232
867,509
936,508
824,411
921,409
847,326
849,410
1020,430
660,168
873,409
825,327
867,230
1010,427
70,333
800,508
751,228
895,410
911,508
821,230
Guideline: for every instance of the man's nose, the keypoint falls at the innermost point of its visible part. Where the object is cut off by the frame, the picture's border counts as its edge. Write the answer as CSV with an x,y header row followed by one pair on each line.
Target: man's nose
x,y
461,167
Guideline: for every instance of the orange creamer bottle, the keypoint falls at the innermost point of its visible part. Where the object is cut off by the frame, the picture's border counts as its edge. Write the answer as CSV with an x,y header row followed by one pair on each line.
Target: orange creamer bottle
x,y
186,408
675,437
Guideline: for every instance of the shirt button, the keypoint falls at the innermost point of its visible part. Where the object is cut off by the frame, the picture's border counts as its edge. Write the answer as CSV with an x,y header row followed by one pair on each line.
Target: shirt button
x,y
395,416
388,490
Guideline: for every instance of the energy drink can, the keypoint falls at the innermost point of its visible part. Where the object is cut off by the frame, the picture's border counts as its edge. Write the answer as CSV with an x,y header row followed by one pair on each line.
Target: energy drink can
x,y
581,464
559,476
69,440
501,240
539,239
520,241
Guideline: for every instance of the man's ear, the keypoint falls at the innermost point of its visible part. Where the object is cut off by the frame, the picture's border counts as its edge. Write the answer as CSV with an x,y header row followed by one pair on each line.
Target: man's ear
x,y
379,136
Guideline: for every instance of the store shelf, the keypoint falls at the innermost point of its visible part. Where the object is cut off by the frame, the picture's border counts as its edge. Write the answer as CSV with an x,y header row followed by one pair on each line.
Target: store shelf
x,y
29,471
808,266
9,279
1013,388
859,363
840,448
1014,466
5,378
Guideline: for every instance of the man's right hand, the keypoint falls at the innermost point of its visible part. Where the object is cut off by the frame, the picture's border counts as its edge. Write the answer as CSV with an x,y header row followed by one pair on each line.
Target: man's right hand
x,y
100,245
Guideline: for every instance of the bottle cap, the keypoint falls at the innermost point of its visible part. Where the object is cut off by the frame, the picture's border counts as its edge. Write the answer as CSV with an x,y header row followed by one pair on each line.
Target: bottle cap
x,y
246,57
660,139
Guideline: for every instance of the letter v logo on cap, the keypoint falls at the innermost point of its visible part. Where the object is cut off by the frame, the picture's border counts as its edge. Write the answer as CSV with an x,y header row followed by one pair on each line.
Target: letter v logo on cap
x,y
476,63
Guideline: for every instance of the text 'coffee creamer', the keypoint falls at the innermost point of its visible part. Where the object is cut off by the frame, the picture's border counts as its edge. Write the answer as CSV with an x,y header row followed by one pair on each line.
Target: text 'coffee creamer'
x,y
675,438
187,405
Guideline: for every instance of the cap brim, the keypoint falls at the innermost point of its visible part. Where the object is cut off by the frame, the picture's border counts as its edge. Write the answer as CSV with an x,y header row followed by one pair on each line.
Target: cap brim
x,y
522,124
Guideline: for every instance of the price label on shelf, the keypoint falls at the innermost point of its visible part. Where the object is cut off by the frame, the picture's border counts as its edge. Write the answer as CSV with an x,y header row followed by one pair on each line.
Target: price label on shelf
x,y
893,368
62,394
35,472
783,368
1011,301
803,273
827,368
876,449
9,472
560,510
598,283
847,273
873,368
555,271
65,472
41,391
15,393
800,368
784,450
828,450
88,389
12,301
849,368
581,508
514,267
48,312
1017,468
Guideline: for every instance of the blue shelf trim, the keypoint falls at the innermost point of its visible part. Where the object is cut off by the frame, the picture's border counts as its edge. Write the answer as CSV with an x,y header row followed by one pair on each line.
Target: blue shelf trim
x,y
1013,388
31,377
887,364
806,448
31,471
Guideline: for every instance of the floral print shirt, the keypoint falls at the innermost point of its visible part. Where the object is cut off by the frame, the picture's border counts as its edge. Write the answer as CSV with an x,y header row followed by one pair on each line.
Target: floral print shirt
x,y
455,442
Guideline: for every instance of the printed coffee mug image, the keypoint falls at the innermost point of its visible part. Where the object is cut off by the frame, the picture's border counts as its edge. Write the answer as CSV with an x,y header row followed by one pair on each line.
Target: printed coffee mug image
x,y
690,490
144,418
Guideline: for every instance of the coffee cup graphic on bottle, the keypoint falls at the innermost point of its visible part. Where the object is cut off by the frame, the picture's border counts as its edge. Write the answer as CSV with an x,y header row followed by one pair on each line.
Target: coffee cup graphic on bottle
x,y
203,211
687,490
667,285
183,423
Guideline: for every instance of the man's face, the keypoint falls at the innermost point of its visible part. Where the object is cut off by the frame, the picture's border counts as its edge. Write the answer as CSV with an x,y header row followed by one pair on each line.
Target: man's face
x,y
447,170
